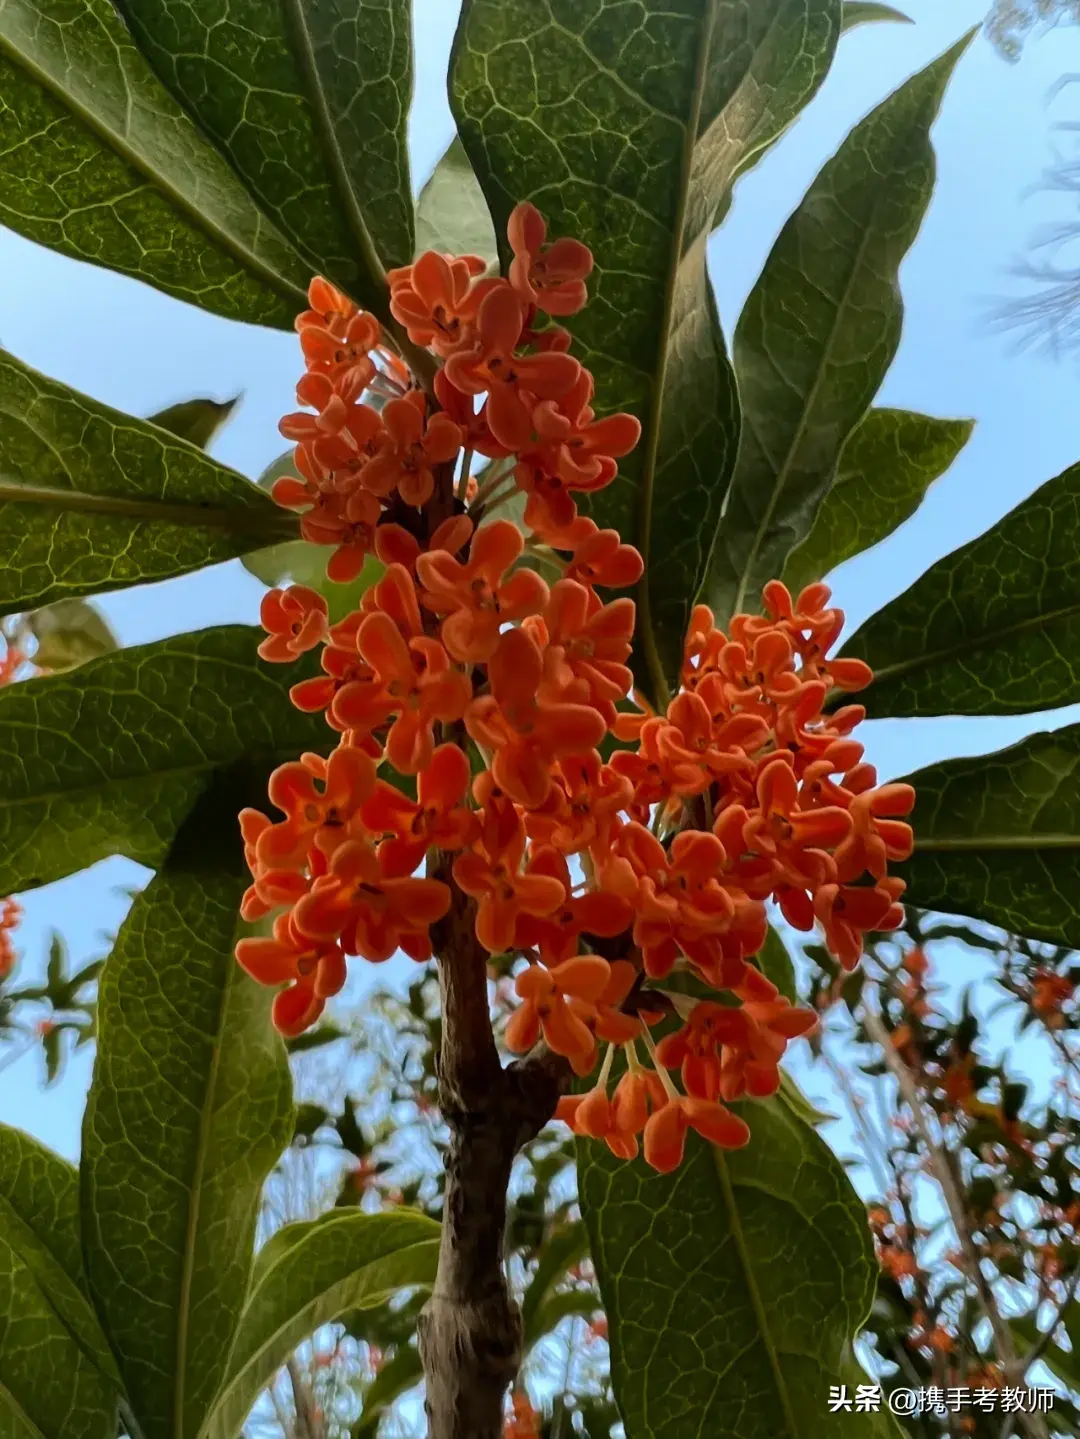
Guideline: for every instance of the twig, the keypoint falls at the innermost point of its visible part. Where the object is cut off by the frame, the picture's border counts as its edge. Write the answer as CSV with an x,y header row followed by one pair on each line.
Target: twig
x,y
470,1330
307,1425
943,1172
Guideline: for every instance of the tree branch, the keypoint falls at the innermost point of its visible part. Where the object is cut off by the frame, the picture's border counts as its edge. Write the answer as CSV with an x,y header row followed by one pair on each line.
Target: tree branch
x,y
470,1329
942,1169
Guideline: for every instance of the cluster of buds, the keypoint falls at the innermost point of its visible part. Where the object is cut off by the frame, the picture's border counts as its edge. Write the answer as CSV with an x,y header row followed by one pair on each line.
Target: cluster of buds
x,y
10,914
478,703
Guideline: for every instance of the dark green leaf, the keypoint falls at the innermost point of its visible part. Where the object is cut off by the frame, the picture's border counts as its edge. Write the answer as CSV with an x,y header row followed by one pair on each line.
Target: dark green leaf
x,y
100,163
68,633
993,628
733,1288
324,1034
863,12
626,125
162,717
559,1252
569,1304
400,1373
820,330
310,1274
57,1377
196,421
451,212
997,837
791,1095
775,963
92,499
308,102
52,1046
888,463
189,1109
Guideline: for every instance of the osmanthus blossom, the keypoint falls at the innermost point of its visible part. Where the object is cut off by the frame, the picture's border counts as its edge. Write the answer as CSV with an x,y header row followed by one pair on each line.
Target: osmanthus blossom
x,y
479,709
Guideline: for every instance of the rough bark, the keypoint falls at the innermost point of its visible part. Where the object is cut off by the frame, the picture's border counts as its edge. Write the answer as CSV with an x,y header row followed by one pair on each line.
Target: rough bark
x,y
470,1329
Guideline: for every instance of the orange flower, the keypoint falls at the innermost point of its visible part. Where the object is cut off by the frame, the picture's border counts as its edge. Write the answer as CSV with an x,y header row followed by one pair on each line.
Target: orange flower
x,y
313,971
313,815
370,911
410,451
492,874
413,681
295,619
585,645
330,307
584,808
545,1010
342,352
552,277
435,298
574,448
490,366
525,732
477,596
438,818
666,1130
600,558
846,913
556,933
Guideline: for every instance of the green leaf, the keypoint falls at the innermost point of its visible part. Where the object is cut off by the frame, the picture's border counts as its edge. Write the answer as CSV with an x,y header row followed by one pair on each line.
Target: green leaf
x,y
57,1377
92,499
734,1287
997,837
190,1107
101,164
196,421
451,212
68,633
790,1094
567,1304
776,964
308,103
398,1374
993,628
889,462
626,125
819,331
864,12
310,1274
560,1252
163,718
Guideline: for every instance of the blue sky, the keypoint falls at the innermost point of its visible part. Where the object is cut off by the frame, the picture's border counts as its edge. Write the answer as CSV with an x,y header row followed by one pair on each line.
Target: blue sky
x,y
133,348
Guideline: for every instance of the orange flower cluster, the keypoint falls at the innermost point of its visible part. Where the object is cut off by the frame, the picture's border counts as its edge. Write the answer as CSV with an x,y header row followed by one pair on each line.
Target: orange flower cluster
x,y
10,914
499,689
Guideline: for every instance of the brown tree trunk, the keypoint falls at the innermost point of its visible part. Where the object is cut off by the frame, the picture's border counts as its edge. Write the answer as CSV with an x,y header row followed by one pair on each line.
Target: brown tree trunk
x,y
470,1329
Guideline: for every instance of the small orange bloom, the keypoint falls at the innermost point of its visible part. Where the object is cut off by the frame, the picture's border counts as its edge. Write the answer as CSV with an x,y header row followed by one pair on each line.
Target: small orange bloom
x,y
437,818
545,1009
525,732
552,277
480,596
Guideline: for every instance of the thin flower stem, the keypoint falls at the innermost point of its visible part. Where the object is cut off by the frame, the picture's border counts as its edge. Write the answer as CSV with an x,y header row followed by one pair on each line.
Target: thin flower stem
x,y
665,1078
491,505
499,469
466,475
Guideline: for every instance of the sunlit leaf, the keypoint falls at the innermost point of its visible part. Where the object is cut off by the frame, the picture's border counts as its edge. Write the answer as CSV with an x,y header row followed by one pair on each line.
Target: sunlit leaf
x,y
100,163
819,331
190,1107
